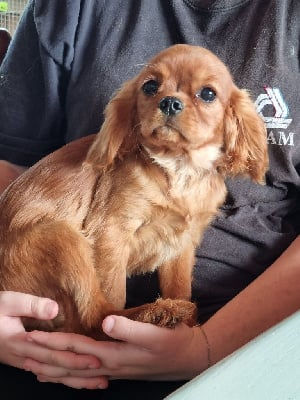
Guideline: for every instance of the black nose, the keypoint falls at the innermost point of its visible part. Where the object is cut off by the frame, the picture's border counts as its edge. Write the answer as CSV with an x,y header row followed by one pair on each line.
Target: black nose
x,y
171,105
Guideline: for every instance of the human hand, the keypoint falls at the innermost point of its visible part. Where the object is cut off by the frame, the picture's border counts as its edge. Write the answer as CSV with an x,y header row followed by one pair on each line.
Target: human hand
x,y
14,346
143,351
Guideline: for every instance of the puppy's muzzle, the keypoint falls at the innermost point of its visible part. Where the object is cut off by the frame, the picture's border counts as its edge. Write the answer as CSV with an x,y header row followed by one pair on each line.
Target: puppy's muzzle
x,y
171,105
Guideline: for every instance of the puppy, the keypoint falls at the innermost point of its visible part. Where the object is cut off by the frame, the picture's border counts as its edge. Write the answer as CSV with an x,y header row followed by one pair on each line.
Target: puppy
x,y
134,198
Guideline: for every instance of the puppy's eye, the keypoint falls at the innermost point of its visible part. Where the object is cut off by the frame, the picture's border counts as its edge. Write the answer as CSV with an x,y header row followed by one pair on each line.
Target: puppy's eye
x,y
150,88
206,94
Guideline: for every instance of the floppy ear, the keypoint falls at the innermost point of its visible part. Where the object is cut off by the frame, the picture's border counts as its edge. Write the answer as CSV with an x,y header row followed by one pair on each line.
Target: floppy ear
x,y
116,135
245,141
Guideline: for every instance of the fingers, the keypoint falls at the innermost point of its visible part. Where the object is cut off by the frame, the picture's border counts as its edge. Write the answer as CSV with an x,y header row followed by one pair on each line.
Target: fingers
x,y
17,304
73,343
58,349
83,367
60,359
139,333
66,367
117,327
78,383
62,341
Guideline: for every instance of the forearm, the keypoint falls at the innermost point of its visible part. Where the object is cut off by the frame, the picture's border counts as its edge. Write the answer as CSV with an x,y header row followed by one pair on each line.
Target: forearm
x,y
270,298
8,173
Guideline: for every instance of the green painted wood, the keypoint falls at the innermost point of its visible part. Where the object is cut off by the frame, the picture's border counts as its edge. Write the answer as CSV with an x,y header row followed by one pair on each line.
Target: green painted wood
x,y
267,368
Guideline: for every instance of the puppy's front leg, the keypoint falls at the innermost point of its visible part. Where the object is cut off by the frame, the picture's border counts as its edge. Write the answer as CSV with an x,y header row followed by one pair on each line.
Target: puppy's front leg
x,y
175,305
175,276
175,279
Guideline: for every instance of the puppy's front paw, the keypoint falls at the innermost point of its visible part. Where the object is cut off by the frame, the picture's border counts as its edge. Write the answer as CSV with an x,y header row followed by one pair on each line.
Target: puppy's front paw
x,y
168,313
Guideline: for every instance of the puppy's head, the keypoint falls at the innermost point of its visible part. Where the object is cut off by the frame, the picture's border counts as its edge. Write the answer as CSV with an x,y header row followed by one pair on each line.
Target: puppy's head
x,y
184,104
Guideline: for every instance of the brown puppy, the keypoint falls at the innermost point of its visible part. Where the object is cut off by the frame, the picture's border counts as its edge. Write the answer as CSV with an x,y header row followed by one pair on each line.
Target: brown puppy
x,y
135,198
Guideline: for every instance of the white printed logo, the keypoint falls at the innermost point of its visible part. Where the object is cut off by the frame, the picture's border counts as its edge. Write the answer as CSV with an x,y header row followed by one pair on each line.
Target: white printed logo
x,y
280,110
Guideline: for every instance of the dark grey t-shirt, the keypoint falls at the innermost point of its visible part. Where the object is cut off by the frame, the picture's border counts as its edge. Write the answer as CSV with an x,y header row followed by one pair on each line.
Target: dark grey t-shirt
x,y
66,61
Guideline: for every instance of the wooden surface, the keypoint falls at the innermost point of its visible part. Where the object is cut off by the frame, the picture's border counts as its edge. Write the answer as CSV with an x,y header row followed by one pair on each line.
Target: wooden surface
x,y
267,368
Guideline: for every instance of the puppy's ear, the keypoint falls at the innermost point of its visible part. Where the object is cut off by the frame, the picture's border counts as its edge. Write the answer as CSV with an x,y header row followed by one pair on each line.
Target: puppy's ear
x,y
245,141
116,135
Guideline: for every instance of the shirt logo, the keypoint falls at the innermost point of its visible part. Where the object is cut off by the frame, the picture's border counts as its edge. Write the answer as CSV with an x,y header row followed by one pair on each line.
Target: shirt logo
x,y
275,113
273,109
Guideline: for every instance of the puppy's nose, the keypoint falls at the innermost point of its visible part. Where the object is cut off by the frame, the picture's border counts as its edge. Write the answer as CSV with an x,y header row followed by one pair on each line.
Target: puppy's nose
x,y
171,105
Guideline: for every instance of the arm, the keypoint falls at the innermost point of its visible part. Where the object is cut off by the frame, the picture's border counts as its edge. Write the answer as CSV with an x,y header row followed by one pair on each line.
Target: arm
x,y
273,296
149,352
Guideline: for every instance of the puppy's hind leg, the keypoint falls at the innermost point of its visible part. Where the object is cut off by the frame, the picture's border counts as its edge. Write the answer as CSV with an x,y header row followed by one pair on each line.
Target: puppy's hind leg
x,y
55,260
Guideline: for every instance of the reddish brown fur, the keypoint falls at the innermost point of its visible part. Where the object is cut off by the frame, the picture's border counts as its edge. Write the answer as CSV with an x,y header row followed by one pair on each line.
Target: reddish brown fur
x,y
135,198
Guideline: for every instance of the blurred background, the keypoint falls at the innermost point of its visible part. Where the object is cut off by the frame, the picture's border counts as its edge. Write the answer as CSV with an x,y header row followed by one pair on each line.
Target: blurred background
x,y
10,12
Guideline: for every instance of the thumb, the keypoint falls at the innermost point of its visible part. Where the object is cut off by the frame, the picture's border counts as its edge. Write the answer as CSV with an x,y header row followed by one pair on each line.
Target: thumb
x,y
135,332
15,304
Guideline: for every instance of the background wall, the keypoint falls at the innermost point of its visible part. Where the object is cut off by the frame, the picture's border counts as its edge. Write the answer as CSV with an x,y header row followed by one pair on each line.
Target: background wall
x,y
10,12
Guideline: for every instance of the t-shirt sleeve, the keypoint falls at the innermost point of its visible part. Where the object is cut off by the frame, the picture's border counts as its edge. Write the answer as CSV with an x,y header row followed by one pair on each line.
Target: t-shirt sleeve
x,y
34,80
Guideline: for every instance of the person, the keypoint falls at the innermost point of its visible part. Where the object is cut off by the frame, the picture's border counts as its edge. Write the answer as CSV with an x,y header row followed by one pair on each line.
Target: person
x,y
62,67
